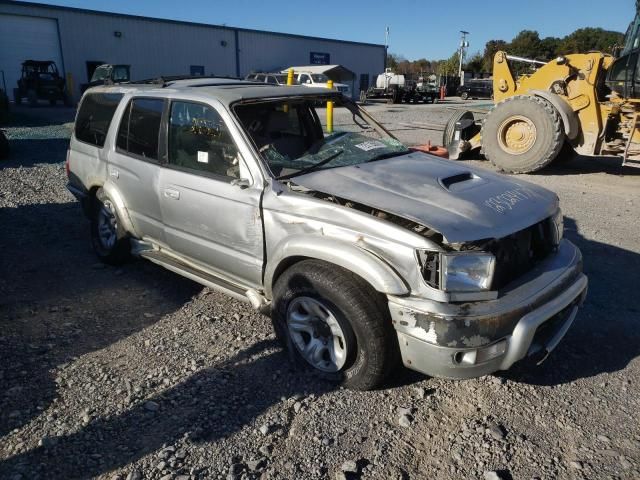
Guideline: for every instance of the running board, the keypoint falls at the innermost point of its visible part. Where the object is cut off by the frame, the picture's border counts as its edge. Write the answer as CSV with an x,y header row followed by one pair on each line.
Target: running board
x,y
201,277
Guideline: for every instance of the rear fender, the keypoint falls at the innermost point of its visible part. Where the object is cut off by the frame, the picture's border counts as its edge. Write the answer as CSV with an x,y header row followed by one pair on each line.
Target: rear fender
x,y
121,210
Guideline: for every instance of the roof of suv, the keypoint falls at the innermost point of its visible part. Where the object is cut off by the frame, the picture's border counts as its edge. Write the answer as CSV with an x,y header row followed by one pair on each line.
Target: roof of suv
x,y
227,90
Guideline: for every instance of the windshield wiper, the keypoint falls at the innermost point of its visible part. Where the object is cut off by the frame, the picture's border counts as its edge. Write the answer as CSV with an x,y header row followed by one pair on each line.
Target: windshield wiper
x,y
382,156
311,167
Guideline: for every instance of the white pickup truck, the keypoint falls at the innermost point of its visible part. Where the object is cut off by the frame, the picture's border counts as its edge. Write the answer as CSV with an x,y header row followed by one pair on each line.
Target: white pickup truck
x,y
310,79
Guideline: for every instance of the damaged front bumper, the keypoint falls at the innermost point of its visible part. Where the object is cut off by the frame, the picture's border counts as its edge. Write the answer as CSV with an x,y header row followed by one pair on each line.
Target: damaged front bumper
x,y
466,340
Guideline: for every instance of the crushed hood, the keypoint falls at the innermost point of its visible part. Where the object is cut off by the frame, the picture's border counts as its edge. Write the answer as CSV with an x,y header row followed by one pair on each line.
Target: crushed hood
x,y
460,202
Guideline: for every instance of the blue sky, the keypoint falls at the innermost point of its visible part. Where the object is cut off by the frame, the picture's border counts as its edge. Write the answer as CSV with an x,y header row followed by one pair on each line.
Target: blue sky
x,y
418,28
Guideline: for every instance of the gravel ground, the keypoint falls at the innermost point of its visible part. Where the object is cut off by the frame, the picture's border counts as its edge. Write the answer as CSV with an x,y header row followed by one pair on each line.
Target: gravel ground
x,y
135,372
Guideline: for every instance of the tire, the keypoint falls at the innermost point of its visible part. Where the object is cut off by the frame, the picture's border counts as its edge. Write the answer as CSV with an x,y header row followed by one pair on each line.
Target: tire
x,y
450,127
52,102
113,249
464,96
32,97
396,96
365,339
16,96
526,116
4,146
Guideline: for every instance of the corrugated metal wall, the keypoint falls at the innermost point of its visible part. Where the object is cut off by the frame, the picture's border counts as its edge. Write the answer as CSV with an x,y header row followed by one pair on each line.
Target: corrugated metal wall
x,y
262,51
154,47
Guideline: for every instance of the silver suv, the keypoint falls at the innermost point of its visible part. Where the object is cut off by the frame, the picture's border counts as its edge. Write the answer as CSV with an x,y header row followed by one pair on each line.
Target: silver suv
x,y
362,251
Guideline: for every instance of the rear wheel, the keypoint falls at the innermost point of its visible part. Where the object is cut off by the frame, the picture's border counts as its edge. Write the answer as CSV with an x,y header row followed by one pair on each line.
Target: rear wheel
x,y
4,146
17,98
332,321
450,127
522,134
464,96
52,101
32,97
108,237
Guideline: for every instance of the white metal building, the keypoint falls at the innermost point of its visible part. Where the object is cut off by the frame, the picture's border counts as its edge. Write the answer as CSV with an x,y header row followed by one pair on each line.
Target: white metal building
x,y
78,40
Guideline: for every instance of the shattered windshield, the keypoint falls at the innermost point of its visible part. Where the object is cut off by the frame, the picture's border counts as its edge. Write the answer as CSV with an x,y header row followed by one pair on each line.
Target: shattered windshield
x,y
293,136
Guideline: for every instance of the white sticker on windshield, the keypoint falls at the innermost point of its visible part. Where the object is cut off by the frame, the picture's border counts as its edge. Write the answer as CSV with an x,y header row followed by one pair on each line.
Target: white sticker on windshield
x,y
371,145
203,157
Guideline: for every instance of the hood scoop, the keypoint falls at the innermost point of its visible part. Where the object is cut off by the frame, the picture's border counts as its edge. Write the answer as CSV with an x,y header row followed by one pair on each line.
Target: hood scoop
x,y
460,181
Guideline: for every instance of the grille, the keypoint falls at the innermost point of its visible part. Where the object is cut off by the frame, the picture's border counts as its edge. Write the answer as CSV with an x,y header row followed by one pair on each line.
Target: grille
x,y
518,253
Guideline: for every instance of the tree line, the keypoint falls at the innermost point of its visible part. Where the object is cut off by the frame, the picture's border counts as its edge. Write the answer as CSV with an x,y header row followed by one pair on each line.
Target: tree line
x,y
527,44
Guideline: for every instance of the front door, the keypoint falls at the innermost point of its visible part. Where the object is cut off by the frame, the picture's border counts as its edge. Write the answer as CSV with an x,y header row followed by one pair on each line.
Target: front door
x,y
209,216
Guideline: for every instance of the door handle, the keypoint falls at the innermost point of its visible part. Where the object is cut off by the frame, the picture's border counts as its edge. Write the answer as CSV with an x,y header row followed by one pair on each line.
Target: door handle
x,y
171,193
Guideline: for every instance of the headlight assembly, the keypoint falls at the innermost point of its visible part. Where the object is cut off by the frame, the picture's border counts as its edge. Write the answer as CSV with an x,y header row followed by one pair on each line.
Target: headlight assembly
x,y
466,271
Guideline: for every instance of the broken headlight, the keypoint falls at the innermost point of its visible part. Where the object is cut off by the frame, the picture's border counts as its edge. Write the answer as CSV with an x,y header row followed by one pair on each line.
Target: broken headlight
x,y
466,271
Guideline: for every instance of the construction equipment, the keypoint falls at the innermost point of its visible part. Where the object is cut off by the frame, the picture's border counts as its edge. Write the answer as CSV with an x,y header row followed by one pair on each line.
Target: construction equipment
x,y
40,80
588,103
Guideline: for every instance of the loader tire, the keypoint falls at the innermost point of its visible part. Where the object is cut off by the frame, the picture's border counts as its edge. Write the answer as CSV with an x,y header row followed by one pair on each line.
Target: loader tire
x,y
522,134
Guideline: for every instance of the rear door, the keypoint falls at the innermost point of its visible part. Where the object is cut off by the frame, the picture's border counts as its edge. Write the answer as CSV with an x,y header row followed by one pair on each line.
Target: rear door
x,y
207,216
134,167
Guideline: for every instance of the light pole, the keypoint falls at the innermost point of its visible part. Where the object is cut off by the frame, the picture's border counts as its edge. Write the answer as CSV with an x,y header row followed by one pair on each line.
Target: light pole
x,y
463,47
386,46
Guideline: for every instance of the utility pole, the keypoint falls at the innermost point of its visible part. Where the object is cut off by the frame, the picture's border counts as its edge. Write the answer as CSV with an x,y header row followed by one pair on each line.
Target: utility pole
x,y
463,48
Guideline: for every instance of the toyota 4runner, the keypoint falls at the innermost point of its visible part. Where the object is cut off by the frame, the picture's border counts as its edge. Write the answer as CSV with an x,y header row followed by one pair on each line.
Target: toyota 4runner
x,y
362,251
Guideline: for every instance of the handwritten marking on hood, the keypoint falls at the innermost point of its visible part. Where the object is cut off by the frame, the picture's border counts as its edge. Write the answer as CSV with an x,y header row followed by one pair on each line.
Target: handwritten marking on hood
x,y
507,200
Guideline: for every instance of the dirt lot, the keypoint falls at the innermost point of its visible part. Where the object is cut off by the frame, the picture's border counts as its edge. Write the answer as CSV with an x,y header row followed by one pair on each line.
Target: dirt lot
x,y
135,372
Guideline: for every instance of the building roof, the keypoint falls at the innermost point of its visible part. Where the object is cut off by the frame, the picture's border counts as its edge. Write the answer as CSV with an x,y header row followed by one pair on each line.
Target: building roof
x,y
180,22
336,70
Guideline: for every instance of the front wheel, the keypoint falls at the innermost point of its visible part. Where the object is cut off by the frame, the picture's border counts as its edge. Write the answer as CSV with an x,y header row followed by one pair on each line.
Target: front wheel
x,y
522,134
464,96
108,237
332,321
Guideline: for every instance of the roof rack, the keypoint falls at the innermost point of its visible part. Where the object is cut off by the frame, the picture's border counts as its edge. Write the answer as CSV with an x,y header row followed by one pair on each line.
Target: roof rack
x,y
166,80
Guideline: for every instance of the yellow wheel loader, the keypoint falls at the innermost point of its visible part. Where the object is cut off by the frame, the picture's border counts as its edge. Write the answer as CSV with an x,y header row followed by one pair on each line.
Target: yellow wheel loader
x,y
589,103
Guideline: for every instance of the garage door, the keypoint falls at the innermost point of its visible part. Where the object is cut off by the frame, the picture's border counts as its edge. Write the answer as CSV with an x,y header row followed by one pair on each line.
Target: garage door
x,y
26,38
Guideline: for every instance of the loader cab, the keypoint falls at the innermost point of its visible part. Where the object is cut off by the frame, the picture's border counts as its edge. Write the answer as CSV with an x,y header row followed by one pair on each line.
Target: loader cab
x,y
623,76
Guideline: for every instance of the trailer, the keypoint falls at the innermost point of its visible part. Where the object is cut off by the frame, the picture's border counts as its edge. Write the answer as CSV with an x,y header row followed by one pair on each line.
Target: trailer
x,y
398,88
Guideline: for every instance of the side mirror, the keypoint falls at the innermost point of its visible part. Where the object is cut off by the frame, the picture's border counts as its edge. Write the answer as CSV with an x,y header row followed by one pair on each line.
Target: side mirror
x,y
241,182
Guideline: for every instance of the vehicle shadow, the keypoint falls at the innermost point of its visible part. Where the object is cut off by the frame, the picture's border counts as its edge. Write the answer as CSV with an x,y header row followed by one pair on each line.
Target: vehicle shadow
x,y
572,164
58,302
28,152
39,115
605,336
210,405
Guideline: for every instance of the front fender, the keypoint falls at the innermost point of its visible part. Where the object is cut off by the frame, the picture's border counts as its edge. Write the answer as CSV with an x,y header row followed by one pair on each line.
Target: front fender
x,y
569,117
363,263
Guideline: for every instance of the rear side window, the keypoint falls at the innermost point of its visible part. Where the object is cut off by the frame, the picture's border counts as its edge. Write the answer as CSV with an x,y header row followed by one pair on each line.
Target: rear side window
x,y
94,117
140,127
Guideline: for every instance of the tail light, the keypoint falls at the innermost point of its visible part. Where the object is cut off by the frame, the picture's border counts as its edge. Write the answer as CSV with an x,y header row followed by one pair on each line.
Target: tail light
x,y
66,164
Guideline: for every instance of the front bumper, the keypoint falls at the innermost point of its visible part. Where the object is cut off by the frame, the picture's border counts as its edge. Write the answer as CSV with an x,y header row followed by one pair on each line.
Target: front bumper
x,y
474,339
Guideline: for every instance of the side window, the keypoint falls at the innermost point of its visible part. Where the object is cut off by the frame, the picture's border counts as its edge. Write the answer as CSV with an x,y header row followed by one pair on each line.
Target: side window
x,y
140,127
199,140
304,78
94,117
271,79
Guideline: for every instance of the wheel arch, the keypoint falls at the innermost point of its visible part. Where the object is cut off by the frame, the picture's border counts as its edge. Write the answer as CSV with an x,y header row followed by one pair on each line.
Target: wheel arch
x,y
121,209
569,118
371,268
